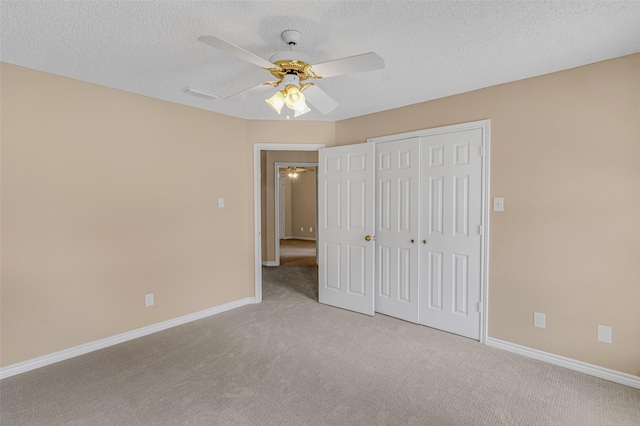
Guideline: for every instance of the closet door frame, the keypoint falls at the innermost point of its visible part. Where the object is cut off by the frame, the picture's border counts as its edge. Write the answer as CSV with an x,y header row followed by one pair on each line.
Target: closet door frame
x,y
485,126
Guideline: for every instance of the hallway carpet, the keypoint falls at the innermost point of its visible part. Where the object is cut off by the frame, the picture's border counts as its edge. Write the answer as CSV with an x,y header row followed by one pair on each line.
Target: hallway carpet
x,y
293,361
297,253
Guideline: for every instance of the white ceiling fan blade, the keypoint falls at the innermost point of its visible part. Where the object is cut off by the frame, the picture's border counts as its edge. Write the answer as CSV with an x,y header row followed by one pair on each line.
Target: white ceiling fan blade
x,y
256,90
235,51
319,99
359,63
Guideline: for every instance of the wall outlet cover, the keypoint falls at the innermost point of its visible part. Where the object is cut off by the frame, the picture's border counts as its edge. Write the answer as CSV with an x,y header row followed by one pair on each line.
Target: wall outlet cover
x,y
539,320
498,204
148,300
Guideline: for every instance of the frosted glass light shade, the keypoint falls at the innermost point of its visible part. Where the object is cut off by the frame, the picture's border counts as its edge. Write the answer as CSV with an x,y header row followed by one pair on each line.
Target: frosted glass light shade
x,y
276,102
294,98
298,112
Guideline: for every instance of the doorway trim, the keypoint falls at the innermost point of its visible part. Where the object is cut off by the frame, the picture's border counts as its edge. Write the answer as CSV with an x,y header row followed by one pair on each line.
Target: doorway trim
x,y
257,207
277,195
485,126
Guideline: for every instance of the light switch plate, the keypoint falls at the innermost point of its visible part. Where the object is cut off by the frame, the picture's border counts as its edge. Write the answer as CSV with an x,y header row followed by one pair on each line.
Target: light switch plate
x,y
148,300
220,203
498,204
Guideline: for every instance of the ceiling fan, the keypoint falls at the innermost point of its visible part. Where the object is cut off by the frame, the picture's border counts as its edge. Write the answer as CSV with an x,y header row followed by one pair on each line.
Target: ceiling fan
x,y
292,69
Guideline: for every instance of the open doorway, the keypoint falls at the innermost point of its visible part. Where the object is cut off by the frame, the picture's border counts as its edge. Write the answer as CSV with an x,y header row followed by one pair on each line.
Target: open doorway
x,y
265,218
295,202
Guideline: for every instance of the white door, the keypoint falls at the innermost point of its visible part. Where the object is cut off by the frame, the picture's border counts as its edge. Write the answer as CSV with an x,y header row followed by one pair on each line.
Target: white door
x,y
450,226
397,221
345,227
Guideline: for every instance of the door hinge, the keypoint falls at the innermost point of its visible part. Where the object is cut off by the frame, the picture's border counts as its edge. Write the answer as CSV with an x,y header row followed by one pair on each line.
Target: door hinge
x,y
479,229
481,151
480,307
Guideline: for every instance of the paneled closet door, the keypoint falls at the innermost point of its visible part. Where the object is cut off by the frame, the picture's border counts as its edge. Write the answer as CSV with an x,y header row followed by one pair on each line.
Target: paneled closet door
x,y
397,221
451,185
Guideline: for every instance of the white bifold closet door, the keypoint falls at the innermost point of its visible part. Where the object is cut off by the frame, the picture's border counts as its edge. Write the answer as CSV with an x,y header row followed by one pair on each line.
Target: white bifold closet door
x,y
425,264
397,221
450,187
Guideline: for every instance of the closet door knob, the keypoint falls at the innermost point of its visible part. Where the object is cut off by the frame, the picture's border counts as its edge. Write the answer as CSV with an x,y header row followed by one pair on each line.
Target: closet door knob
x,y
424,241
413,241
367,238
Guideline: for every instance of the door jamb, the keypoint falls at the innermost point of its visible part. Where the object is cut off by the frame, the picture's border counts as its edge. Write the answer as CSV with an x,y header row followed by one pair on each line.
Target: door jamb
x,y
257,208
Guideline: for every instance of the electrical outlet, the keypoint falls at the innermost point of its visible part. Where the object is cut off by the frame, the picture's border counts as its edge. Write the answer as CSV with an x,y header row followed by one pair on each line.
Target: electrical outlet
x,y
220,203
605,334
498,204
148,300
311,229
539,320
302,229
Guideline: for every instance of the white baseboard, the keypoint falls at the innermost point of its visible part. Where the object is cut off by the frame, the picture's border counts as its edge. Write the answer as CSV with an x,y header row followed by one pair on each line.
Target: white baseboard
x,y
572,364
302,238
270,263
32,364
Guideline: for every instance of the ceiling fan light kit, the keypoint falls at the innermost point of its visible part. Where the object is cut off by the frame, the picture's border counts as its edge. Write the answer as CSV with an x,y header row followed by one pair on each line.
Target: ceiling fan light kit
x,y
291,68
291,96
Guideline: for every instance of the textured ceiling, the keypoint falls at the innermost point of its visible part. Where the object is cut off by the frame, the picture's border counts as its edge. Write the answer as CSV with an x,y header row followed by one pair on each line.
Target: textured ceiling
x,y
431,49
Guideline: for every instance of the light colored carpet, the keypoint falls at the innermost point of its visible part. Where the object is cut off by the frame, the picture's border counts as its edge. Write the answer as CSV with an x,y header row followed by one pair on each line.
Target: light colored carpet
x,y
293,361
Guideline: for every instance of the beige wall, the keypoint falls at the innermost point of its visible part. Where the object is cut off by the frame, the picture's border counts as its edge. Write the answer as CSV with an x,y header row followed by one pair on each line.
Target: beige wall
x,y
290,131
107,196
565,155
300,204
287,207
303,205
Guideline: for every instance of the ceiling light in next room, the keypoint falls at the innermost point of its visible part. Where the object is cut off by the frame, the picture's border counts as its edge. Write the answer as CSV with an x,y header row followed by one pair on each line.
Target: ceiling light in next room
x,y
293,172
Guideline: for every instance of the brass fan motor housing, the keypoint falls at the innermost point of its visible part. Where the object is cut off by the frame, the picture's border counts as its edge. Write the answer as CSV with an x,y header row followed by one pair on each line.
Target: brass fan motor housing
x,y
300,68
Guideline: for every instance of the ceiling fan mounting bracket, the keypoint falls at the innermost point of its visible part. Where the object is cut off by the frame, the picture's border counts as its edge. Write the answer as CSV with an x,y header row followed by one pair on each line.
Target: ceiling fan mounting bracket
x,y
291,37
291,61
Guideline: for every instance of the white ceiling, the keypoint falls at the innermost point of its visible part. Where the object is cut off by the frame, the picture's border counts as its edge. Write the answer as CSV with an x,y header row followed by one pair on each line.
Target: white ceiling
x,y
431,49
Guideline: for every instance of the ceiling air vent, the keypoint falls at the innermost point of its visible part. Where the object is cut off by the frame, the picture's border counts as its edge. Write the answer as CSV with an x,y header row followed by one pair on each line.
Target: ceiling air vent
x,y
200,93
